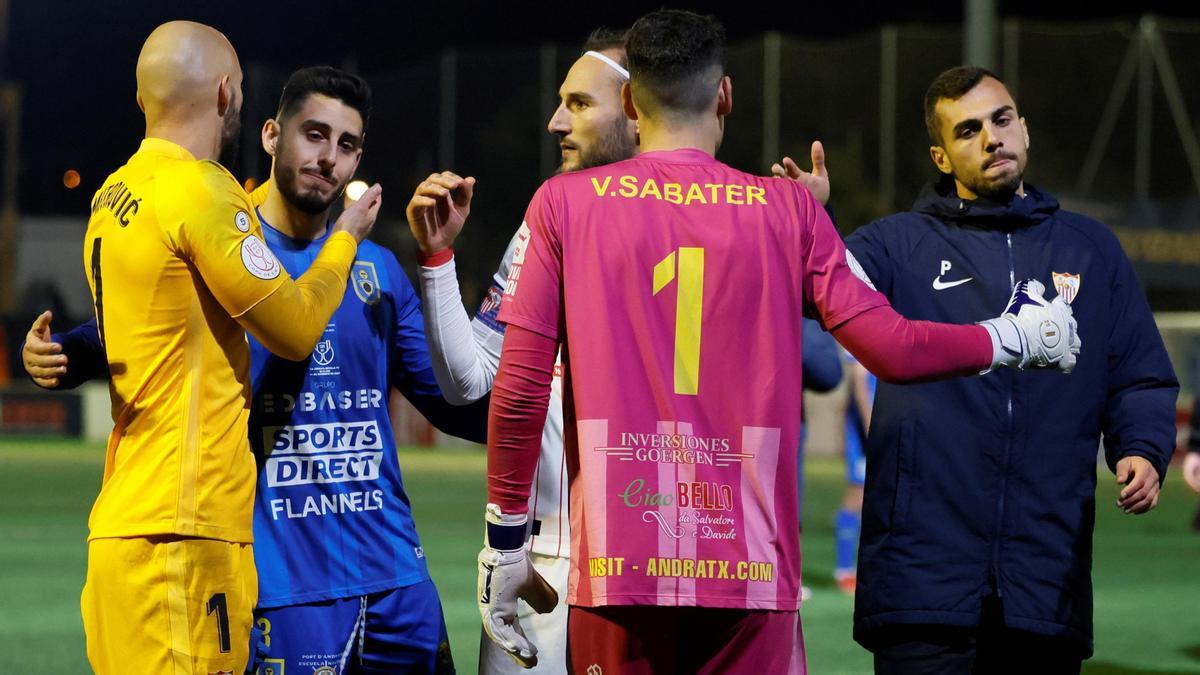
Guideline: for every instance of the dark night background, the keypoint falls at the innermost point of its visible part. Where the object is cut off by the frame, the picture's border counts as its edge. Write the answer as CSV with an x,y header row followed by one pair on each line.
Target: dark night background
x,y
74,63
75,59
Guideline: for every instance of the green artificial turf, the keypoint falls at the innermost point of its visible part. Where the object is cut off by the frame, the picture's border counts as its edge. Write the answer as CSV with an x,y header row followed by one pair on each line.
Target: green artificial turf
x,y
1147,570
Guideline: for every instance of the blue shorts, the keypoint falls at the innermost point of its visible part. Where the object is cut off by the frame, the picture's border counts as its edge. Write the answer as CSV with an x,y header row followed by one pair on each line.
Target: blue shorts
x,y
856,456
397,631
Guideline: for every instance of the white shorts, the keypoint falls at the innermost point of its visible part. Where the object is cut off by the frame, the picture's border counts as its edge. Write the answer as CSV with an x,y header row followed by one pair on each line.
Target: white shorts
x,y
547,632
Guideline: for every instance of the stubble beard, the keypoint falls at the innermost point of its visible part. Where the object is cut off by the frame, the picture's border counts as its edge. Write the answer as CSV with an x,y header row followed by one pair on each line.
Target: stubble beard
x,y
613,146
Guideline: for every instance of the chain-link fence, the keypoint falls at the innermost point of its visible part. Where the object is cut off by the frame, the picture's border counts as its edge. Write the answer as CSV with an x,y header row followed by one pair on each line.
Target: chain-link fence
x,y
1109,121
1111,107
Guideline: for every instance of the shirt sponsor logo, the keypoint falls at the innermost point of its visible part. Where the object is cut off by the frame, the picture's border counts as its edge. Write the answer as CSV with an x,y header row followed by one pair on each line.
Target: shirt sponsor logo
x,y
705,496
1066,284
309,401
691,497
700,495
307,454
286,471
325,504
258,259
675,449
689,568
309,439
684,568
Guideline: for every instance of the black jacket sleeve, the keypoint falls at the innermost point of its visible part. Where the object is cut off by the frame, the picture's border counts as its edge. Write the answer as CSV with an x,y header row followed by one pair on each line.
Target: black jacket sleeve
x,y
1139,416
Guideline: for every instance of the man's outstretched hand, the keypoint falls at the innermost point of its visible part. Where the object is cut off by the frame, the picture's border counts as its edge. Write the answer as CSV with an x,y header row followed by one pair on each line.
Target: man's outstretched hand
x,y
817,180
42,357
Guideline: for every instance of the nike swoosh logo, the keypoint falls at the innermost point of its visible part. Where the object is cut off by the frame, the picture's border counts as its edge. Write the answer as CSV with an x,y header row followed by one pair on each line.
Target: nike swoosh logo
x,y
939,285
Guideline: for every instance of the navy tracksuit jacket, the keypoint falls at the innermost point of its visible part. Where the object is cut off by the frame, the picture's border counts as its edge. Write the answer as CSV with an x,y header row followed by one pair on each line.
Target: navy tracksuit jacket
x,y
985,486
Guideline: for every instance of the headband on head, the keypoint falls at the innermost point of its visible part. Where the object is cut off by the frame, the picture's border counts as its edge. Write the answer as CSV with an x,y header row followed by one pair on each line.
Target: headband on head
x,y
611,64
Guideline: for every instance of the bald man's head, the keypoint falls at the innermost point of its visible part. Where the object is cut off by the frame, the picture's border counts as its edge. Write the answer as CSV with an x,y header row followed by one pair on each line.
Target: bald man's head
x,y
189,80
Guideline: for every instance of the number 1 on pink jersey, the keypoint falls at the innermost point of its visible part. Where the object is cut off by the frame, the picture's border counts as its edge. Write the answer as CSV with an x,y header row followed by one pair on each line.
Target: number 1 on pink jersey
x,y
689,306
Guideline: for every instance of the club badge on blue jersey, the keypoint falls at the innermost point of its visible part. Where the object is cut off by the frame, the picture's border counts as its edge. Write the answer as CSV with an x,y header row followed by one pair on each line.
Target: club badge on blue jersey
x,y
366,281
1066,284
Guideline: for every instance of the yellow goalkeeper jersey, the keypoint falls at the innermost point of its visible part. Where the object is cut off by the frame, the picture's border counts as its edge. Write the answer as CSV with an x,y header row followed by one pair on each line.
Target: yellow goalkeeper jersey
x,y
173,253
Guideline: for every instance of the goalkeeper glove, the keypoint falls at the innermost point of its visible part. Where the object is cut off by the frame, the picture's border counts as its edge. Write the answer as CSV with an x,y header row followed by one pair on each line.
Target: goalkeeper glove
x,y
1034,333
506,574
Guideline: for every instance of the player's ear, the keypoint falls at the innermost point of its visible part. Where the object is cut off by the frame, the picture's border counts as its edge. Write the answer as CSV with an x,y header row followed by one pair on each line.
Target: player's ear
x,y
627,101
725,96
1025,132
940,159
224,95
141,104
270,136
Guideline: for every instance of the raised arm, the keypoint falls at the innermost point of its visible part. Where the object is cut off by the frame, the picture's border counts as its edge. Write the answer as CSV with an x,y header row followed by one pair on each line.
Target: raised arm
x,y
224,244
465,355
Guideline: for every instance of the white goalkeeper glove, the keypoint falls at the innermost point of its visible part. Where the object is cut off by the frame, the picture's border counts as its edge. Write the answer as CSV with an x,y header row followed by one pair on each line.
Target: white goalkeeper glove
x,y
1034,333
506,574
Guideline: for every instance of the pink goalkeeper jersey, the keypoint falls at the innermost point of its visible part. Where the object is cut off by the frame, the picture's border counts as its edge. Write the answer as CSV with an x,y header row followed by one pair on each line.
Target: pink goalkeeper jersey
x,y
676,286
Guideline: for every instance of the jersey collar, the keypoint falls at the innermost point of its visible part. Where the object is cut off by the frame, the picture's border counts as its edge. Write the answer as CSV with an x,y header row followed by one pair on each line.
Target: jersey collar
x,y
161,146
290,243
679,156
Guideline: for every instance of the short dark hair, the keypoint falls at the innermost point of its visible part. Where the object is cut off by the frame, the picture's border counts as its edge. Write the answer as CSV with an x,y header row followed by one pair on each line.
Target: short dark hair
x,y
952,84
676,59
608,38
326,81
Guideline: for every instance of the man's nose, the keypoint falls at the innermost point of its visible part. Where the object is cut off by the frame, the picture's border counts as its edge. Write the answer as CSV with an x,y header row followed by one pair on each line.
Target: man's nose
x,y
558,121
991,142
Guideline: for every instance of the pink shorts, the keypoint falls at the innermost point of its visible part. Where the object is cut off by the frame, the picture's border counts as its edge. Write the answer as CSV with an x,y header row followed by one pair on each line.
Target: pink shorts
x,y
631,640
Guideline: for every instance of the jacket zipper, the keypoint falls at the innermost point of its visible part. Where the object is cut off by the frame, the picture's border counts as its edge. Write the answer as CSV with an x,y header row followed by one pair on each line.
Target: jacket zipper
x,y
1008,440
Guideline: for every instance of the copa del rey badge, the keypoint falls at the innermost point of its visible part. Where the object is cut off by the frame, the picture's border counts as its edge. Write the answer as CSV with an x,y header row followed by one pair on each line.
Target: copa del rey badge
x,y
1067,285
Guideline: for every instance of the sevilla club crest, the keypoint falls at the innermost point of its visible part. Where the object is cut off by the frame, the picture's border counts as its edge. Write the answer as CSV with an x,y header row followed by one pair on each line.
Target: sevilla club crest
x,y
1067,285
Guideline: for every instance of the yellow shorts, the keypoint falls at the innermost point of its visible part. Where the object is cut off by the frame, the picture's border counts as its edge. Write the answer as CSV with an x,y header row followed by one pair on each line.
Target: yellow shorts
x,y
168,605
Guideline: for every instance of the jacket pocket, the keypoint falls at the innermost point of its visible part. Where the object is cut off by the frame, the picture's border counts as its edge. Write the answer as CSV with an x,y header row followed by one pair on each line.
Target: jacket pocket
x,y
906,473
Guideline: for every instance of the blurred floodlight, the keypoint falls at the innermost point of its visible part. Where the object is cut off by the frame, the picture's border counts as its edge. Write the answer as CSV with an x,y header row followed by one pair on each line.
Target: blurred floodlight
x,y
355,190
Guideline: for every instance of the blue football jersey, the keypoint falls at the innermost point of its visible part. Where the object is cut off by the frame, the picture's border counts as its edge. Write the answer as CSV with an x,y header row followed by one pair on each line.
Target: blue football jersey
x,y
331,517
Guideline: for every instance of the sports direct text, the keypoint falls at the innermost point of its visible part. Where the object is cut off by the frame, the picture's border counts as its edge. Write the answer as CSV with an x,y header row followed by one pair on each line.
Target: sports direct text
x,y
322,453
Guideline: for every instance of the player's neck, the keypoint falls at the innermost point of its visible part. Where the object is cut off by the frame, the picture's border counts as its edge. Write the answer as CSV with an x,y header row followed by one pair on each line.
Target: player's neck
x,y
289,220
704,136
202,145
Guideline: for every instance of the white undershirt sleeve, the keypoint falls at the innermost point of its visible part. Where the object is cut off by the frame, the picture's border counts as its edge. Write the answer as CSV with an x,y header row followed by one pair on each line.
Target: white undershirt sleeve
x,y
465,354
